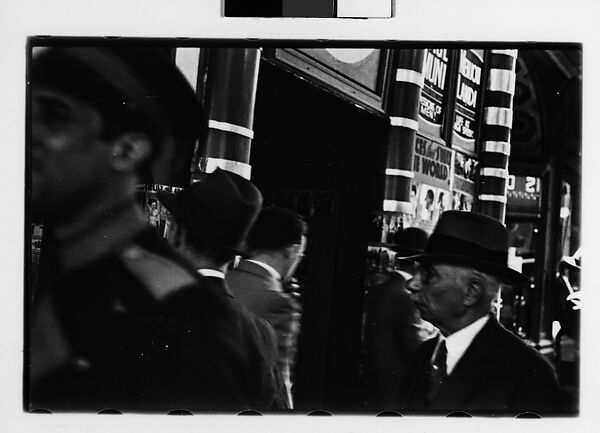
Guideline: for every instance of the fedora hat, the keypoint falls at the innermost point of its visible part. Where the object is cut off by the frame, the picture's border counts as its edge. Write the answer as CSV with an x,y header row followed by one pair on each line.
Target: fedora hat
x,y
133,80
411,241
471,239
220,209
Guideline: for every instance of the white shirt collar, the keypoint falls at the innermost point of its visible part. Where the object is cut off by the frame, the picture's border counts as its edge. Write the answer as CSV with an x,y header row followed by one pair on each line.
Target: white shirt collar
x,y
211,273
404,274
459,342
270,269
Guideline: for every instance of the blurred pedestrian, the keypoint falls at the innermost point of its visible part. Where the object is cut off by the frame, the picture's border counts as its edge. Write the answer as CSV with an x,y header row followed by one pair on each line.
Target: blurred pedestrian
x,y
393,327
476,365
119,321
275,246
567,312
211,220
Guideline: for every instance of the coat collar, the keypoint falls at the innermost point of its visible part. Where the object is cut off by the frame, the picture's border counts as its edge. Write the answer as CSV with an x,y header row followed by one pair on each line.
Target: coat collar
x,y
270,269
255,269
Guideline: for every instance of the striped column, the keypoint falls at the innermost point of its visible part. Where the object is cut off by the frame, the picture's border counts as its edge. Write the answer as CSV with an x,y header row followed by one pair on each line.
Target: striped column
x,y
231,87
404,112
497,124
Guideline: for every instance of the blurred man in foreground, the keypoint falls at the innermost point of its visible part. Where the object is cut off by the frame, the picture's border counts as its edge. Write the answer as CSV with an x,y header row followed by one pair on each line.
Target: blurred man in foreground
x,y
120,321
211,221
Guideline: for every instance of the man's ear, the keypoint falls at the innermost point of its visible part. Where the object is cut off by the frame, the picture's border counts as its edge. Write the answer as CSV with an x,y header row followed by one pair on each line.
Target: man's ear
x,y
291,251
129,150
475,289
295,251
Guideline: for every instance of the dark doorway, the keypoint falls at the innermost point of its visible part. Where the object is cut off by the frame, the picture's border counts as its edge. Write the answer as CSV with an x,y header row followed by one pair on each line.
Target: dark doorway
x,y
323,157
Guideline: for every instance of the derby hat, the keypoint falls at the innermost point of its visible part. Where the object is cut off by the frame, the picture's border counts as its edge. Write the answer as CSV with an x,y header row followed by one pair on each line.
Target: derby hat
x,y
474,240
219,210
411,241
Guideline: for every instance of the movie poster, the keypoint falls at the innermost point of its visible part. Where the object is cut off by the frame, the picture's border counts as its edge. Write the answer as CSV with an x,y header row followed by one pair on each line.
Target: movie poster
x,y
468,97
432,185
432,163
431,113
385,228
465,174
155,213
462,201
431,203
410,219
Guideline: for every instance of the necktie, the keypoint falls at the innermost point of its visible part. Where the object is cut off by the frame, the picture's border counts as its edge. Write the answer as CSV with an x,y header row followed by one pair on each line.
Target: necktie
x,y
438,370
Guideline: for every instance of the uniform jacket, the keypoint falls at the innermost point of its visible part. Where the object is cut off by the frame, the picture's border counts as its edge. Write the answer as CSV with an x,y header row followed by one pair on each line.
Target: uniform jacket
x,y
262,294
137,329
498,374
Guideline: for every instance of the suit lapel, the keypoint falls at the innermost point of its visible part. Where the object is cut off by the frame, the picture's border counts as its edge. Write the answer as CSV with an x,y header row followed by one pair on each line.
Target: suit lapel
x,y
472,370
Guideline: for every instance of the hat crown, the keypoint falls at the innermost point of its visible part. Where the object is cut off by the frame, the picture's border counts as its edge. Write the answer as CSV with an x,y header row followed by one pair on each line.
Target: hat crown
x,y
481,230
412,240
474,240
220,209
141,78
221,189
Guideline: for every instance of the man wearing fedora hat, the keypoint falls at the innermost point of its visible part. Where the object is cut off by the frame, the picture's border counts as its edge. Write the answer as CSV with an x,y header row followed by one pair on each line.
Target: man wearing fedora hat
x,y
393,328
476,365
211,222
120,320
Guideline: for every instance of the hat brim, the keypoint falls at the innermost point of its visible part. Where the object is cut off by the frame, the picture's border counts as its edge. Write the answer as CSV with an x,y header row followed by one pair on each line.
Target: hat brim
x,y
173,204
504,273
402,254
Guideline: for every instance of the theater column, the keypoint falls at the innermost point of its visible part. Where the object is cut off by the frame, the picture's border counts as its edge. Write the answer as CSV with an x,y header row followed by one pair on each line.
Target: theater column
x,y
404,112
495,152
231,93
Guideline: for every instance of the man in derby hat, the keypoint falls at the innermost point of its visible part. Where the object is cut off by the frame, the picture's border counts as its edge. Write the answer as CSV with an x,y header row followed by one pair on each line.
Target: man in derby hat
x,y
119,320
275,246
393,327
476,365
211,222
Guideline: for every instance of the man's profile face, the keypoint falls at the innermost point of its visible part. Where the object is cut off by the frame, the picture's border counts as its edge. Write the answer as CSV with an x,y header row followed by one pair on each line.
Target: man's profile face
x,y
437,290
68,159
296,259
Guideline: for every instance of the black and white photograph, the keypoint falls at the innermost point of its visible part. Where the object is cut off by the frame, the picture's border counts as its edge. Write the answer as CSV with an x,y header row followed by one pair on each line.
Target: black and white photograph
x,y
278,226
121,319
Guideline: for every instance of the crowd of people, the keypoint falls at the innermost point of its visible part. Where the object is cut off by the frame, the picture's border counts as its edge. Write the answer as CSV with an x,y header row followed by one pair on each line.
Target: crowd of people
x,y
121,319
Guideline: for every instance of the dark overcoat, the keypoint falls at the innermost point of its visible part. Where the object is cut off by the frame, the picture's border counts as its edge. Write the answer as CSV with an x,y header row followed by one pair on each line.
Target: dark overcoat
x,y
393,329
263,295
499,374
137,329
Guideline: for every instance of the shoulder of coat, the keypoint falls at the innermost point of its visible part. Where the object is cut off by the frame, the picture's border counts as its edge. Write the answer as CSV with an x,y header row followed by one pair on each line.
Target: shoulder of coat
x,y
161,275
